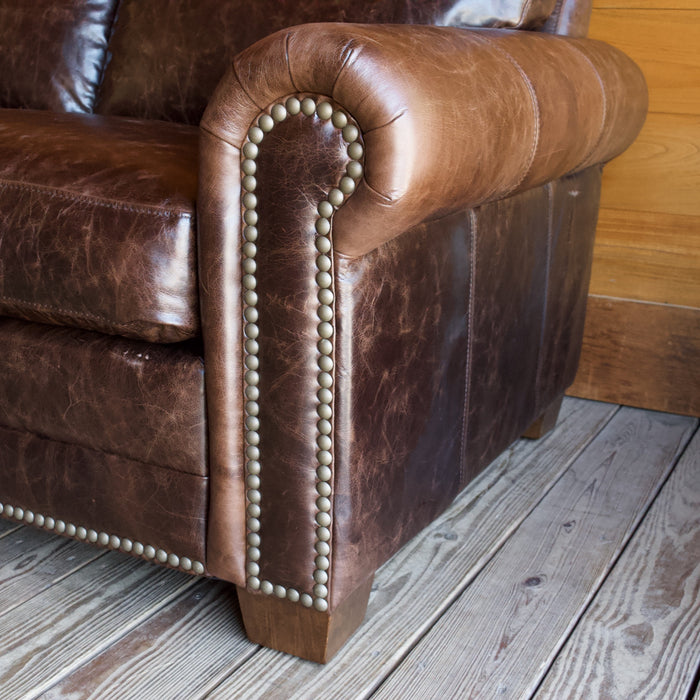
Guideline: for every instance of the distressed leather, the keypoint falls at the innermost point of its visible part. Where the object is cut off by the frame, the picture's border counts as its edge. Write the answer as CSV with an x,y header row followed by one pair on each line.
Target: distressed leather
x,y
104,492
176,83
97,223
460,263
425,100
142,401
472,321
52,52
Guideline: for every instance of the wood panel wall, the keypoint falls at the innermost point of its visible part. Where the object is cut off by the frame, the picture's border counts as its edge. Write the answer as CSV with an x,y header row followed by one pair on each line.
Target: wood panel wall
x,y
642,337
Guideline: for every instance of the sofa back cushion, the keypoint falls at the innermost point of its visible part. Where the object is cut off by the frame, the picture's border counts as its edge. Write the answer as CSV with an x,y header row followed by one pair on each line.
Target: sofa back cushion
x,y
168,55
52,52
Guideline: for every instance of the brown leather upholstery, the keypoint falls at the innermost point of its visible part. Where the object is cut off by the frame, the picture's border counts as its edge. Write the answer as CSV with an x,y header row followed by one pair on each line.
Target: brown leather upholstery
x,y
381,353
97,221
197,39
431,140
52,52
104,492
129,398
430,149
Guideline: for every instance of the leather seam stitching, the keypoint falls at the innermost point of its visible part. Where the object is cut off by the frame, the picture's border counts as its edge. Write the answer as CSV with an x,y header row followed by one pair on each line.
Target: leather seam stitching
x,y
110,453
92,199
468,370
586,158
74,313
536,109
545,310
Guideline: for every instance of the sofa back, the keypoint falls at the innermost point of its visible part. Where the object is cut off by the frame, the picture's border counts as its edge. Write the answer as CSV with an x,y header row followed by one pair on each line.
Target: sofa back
x,y
168,55
162,59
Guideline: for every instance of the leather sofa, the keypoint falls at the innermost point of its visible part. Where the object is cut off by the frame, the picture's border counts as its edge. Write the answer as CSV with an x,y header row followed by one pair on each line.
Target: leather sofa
x,y
271,297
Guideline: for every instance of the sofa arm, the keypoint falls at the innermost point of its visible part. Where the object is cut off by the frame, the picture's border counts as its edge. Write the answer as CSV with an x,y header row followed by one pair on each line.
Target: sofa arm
x,y
450,118
299,281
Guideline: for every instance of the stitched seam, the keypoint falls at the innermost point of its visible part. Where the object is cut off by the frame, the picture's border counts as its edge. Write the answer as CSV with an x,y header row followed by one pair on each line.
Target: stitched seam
x,y
605,108
73,314
288,62
535,107
240,84
99,201
68,312
41,436
468,370
218,138
545,309
350,51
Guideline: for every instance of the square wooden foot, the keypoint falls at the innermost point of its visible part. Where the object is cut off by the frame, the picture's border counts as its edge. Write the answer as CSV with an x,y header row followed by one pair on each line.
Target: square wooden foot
x,y
546,422
304,632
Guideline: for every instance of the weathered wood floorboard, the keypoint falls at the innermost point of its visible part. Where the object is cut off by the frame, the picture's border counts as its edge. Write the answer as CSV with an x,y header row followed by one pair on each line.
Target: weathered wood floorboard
x,y
413,588
7,526
502,634
189,644
59,629
640,638
32,560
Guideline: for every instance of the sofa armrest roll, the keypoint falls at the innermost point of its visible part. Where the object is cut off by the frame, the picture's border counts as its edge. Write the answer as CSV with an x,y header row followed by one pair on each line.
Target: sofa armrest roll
x,y
450,118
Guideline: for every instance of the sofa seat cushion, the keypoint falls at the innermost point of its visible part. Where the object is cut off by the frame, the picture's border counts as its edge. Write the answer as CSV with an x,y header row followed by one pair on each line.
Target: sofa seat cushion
x,y
97,225
141,401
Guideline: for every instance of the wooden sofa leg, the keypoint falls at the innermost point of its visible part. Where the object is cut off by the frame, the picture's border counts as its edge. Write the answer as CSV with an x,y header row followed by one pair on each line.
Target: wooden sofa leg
x,y
305,632
546,422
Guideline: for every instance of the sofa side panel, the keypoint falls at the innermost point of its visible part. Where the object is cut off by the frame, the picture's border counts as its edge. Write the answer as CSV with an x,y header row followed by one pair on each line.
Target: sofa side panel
x,y
451,340
510,276
574,203
402,354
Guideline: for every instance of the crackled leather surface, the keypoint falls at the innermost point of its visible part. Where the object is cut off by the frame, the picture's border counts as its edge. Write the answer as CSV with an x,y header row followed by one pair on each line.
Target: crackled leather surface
x,y
402,340
299,160
52,52
494,297
574,214
97,223
510,261
134,399
291,186
107,493
425,98
197,39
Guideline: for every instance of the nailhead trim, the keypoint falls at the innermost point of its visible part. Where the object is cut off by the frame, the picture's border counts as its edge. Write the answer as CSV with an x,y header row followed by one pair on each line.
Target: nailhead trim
x,y
325,312
102,538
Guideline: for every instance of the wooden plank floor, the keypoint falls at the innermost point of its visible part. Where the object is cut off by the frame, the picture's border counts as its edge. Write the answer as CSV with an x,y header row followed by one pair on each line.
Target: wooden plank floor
x,y
569,568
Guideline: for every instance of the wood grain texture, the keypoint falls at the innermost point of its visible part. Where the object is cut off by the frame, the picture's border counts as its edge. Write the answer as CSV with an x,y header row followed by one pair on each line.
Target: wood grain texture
x,y
93,607
641,354
648,257
664,43
414,587
32,560
641,636
501,635
660,171
180,652
7,526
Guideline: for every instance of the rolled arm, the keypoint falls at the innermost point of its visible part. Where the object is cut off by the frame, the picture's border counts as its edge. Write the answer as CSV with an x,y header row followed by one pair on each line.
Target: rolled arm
x,y
450,118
